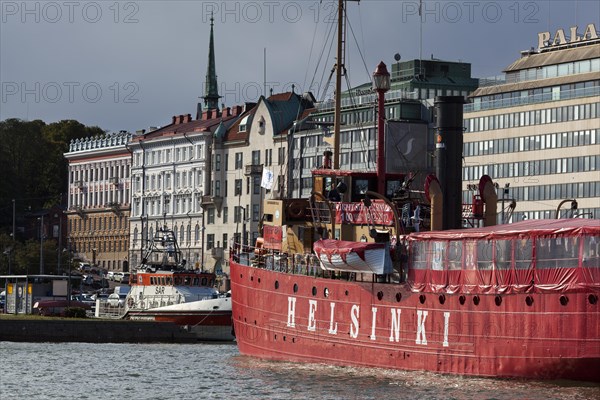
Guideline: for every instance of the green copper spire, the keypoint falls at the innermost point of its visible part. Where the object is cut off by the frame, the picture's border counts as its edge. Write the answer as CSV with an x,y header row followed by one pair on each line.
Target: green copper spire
x,y
211,96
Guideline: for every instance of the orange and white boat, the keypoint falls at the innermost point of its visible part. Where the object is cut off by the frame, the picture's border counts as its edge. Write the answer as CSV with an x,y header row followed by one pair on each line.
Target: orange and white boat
x,y
164,290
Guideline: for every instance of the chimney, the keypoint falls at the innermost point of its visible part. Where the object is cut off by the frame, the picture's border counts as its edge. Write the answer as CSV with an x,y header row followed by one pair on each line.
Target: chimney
x,y
199,111
206,115
188,118
174,120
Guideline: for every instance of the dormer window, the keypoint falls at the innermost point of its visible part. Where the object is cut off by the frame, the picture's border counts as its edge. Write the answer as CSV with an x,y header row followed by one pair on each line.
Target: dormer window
x,y
261,125
244,124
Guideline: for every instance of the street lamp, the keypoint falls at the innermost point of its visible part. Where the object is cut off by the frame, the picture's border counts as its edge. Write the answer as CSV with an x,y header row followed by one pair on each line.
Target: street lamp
x,y
41,219
381,84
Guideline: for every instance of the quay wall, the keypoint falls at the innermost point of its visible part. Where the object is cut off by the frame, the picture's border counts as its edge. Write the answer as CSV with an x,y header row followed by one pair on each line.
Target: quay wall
x,y
92,331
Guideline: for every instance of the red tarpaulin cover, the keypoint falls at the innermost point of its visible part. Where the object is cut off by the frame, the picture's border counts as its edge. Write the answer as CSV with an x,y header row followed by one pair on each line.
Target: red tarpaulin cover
x,y
528,256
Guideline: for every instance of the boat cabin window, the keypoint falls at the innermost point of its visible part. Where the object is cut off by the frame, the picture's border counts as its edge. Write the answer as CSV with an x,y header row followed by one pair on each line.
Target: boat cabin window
x,y
485,255
204,280
169,281
557,252
503,254
177,281
523,253
455,255
591,248
196,280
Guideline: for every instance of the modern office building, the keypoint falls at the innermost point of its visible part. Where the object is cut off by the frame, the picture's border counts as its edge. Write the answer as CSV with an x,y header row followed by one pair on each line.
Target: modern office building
x,y
99,200
536,132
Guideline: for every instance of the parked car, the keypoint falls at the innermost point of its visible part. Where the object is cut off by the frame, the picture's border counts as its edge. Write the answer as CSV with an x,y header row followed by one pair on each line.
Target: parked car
x,y
117,276
116,300
122,277
110,275
88,280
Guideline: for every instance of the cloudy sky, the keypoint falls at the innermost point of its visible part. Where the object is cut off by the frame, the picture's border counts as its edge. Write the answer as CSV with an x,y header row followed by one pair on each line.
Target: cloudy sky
x,y
129,65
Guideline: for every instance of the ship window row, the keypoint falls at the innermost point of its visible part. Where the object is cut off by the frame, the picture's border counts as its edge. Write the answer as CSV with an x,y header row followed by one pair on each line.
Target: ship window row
x,y
534,117
555,191
533,142
179,280
528,170
533,96
554,71
525,253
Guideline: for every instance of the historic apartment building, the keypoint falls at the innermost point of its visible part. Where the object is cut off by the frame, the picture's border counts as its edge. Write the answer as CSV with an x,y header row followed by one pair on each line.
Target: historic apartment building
x,y
536,133
99,200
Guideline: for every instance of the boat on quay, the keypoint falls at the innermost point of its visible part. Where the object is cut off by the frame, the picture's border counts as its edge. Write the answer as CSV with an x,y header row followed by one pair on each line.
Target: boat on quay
x,y
369,272
164,290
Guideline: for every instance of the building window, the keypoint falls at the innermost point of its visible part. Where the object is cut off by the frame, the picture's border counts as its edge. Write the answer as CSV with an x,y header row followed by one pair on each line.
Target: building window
x,y
211,216
238,160
238,187
210,241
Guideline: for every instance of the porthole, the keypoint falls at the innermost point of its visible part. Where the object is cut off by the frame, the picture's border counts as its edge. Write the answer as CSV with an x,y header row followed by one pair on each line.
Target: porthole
x,y
314,290
346,293
326,292
379,295
476,300
251,278
462,300
276,284
593,299
295,288
498,300
529,301
442,299
564,300
258,280
241,276
398,297
422,298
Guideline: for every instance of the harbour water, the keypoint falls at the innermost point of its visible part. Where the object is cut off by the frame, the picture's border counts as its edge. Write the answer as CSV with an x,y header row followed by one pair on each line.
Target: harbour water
x,y
215,371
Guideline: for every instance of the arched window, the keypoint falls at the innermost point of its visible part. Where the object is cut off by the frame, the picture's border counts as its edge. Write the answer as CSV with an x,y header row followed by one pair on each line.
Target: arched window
x,y
181,232
189,233
197,233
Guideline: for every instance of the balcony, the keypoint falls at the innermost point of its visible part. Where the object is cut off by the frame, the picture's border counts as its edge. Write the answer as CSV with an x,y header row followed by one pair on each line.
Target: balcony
x,y
215,201
253,169
114,180
79,184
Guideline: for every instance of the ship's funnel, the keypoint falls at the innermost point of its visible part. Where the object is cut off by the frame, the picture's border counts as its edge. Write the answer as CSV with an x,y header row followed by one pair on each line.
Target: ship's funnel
x,y
448,156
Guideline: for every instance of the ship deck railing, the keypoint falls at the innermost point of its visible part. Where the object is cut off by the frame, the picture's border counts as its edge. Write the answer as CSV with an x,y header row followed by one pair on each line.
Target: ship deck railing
x,y
306,264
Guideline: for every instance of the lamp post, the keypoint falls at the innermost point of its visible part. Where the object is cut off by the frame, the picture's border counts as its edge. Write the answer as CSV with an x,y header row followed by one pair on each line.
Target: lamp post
x,y
381,84
41,219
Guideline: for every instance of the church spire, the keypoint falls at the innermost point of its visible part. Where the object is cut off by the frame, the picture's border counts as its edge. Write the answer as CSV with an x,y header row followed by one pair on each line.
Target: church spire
x,y
211,95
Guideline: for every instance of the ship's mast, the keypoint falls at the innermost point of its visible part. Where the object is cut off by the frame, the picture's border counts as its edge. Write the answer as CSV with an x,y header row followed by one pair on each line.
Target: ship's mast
x,y
339,66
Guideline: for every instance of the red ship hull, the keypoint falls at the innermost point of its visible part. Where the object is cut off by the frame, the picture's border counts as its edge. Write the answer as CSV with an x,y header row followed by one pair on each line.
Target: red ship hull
x,y
291,317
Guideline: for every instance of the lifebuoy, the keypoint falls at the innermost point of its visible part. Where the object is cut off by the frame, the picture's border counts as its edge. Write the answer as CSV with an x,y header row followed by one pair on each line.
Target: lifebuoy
x,y
295,210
